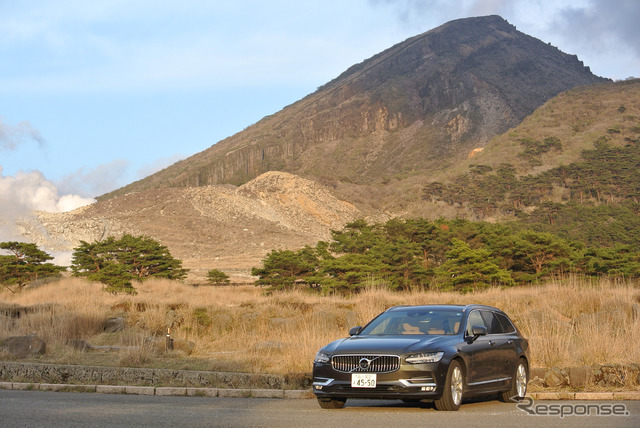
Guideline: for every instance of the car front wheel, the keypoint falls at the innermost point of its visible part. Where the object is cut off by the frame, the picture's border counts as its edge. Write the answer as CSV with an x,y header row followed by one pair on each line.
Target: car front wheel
x,y
333,403
453,387
518,384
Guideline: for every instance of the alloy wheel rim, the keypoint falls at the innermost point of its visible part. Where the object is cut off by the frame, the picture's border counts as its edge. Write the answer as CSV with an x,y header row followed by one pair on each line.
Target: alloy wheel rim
x,y
521,380
456,385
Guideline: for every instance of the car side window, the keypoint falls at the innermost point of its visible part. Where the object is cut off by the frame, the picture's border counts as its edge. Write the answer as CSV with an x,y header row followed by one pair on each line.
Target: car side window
x,y
507,325
493,323
474,319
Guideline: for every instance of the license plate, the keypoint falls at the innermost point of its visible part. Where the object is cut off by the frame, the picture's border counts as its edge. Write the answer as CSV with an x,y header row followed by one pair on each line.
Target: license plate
x,y
363,380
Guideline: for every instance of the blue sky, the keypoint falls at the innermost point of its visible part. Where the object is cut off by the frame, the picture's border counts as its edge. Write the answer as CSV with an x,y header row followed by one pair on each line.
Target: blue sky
x,y
96,94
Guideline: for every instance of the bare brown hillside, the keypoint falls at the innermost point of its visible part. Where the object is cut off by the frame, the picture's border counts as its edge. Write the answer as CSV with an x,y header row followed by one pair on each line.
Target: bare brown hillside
x,y
212,227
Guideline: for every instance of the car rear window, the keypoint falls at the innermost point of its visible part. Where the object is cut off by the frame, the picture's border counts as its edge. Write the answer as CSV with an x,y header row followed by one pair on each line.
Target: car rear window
x,y
493,323
507,325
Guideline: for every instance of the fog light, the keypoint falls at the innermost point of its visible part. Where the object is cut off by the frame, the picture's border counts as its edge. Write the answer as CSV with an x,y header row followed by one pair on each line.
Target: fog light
x,y
427,388
318,386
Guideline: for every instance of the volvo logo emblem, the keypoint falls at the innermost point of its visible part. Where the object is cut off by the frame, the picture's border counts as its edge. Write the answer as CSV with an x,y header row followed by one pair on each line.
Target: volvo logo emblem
x,y
364,363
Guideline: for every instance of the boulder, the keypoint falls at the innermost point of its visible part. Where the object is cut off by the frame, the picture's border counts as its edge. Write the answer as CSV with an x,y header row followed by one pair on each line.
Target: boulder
x,y
579,377
23,346
554,378
185,346
113,325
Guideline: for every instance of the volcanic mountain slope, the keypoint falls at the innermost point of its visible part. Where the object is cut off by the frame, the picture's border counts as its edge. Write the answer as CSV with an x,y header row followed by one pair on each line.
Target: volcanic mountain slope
x,y
232,228
377,135
413,109
212,227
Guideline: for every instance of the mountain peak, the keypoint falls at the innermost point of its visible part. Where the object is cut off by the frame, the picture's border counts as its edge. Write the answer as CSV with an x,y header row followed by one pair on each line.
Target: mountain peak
x,y
413,108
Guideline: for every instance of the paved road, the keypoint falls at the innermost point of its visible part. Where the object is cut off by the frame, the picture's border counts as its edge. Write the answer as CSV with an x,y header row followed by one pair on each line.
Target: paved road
x,y
65,409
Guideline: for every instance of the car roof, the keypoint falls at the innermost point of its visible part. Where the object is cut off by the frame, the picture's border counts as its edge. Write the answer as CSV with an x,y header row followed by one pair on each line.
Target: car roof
x,y
462,308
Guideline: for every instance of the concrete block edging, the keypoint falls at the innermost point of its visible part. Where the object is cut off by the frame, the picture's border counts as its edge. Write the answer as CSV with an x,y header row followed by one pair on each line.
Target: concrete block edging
x,y
275,393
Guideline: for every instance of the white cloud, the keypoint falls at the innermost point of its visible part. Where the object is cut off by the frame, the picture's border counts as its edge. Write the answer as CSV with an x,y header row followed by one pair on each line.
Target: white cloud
x,y
11,136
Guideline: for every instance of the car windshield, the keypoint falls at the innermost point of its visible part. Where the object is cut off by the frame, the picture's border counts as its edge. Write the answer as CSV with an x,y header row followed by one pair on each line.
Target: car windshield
x,y
415,321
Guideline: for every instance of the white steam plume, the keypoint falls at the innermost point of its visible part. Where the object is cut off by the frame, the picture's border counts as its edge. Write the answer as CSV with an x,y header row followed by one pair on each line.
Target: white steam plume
x,y
26,192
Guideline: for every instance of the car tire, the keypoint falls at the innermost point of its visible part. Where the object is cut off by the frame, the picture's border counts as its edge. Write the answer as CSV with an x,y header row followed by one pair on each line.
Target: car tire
x,y
333,403
518,385
453,388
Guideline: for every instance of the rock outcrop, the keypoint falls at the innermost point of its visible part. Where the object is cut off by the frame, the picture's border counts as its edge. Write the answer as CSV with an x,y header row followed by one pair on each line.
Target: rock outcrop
x,y
24,346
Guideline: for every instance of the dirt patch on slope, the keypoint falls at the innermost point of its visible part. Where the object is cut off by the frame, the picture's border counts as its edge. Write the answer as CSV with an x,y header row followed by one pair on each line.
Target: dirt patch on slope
x,y
213,227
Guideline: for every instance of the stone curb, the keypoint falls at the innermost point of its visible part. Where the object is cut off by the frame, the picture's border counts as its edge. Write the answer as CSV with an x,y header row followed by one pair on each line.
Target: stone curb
x,y
567,395
160,390
272,393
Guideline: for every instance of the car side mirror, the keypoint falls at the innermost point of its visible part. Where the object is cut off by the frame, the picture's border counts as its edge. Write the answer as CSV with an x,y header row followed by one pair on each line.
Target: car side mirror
x,y
478,331
354,330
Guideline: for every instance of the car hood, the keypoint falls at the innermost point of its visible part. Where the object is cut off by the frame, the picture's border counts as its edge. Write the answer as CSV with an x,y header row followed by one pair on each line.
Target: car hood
x,y
385,344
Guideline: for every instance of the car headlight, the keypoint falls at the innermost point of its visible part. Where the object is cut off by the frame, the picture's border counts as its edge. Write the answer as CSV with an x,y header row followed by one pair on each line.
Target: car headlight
x,y
424,357
321,357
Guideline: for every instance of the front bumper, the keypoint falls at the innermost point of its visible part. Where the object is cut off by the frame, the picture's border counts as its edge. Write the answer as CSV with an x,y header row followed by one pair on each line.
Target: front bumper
x,y
419,381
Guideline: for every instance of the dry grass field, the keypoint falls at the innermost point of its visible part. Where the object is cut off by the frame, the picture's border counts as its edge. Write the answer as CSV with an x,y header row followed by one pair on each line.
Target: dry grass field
x,y
569,322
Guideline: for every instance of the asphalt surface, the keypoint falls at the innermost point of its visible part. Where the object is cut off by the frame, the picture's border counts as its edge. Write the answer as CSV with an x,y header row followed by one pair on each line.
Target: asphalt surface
x,y
73,409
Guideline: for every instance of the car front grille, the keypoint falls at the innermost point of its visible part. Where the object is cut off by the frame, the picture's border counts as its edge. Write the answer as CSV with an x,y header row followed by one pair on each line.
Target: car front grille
x,y
365,363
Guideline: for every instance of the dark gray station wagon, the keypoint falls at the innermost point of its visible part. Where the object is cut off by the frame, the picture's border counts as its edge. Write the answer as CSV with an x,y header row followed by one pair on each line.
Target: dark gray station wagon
x,y
436,352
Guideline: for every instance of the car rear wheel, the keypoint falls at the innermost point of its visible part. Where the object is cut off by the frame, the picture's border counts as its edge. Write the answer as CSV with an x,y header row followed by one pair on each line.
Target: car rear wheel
x,y
518,384
332,403
453,388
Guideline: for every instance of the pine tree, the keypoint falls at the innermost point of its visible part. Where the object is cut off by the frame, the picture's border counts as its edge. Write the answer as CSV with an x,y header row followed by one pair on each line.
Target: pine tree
x,y
468,269
25,263
118,262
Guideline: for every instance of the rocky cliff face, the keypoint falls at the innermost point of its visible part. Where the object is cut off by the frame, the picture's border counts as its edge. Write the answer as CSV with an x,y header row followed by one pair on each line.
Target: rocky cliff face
x,y
416,107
